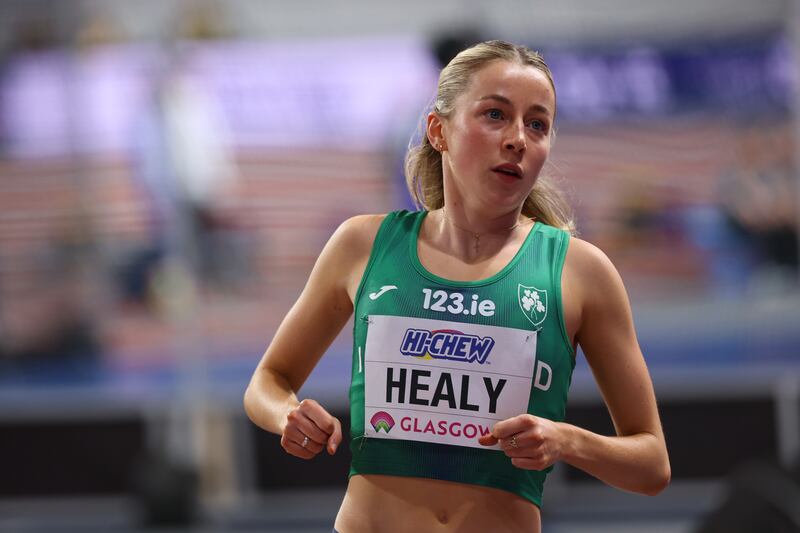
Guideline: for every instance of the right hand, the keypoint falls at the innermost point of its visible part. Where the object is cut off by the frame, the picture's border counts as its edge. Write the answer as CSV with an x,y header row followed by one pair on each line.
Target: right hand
x,y
310,419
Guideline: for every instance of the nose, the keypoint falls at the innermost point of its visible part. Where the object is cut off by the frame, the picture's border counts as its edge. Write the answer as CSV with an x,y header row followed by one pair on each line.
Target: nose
x,y
515,138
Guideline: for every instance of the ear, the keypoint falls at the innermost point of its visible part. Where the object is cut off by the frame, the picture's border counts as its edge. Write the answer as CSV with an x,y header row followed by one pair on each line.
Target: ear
x,y
435,131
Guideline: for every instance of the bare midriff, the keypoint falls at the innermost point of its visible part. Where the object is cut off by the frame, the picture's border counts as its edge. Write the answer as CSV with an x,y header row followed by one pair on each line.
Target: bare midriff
x,y
393,504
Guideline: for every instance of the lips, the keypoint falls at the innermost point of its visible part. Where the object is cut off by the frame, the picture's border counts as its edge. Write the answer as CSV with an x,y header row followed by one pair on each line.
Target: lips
x,y
509,169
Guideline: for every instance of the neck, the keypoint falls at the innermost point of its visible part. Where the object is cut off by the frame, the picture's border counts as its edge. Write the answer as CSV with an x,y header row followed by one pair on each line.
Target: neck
x,y
482,235
481,222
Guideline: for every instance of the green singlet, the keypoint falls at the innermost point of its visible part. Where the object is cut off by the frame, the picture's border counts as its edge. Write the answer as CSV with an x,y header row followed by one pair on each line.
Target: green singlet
x,y
436,363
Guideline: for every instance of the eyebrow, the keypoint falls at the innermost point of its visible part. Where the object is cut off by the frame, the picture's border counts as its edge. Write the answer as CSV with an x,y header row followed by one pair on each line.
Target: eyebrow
x,y
536,107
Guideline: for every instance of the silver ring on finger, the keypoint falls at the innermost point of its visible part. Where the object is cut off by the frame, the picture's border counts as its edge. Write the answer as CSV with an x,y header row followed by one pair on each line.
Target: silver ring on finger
x,y
305,442
514,441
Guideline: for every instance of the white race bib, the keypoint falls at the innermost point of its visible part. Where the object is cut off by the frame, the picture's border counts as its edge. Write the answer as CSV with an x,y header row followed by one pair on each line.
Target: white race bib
x,y
443,382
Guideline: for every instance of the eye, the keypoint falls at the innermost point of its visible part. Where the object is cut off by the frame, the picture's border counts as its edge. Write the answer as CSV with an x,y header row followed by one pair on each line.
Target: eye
x,y
494,114
538,125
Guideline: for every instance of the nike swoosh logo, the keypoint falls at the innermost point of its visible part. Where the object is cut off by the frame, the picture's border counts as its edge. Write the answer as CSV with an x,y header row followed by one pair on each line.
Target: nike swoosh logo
x,y
385,288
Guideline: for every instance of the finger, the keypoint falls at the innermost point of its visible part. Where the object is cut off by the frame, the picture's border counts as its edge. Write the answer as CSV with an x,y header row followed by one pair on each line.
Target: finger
x,y
526,439
510,426
308,428
530,453
328,426
321,418
312,446
295,449
298,437
506,443
487,440
336,437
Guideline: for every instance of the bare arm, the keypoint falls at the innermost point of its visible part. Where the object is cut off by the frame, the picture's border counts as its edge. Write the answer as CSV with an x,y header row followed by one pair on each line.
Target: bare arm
x,y
306,332
636,458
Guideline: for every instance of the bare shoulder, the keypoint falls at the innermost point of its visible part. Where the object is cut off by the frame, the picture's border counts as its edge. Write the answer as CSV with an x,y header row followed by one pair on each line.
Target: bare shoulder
x,y
588,260
592,278
598,303
350,246
357,233
351,243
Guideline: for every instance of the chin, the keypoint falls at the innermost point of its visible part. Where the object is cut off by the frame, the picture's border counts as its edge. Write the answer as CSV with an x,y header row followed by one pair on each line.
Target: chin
x,y
503,205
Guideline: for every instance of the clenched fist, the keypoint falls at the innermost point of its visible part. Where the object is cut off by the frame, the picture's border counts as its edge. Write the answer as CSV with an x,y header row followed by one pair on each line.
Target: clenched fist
x,y
532,442
310,428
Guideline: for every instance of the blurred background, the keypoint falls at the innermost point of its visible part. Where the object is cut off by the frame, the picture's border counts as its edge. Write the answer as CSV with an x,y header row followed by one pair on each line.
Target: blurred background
x,y
169,171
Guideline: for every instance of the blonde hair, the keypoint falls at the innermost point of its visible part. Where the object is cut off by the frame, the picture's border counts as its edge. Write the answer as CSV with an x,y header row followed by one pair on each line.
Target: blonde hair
x,y
423,164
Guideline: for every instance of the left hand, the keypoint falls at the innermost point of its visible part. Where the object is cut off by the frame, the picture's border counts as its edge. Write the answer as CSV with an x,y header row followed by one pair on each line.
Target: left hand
x,y
539,441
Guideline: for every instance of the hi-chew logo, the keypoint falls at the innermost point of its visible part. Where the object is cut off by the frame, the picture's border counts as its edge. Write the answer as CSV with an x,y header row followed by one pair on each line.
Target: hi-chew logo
x,y
382,421
446,344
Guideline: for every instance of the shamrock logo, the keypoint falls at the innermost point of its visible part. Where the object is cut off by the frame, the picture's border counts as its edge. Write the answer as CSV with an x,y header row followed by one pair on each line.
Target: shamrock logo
x,y
533,303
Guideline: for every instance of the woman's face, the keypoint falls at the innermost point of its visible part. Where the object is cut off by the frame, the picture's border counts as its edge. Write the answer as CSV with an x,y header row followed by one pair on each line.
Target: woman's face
x,y
498,136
